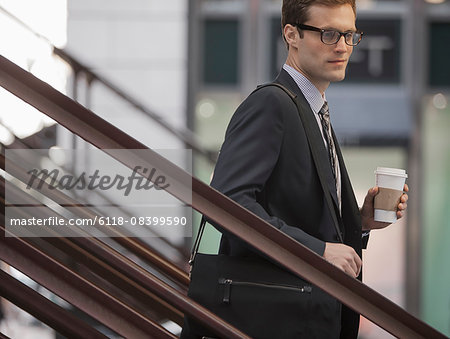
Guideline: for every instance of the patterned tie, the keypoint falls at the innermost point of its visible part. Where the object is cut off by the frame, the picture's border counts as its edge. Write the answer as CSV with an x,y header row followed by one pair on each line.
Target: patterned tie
x,y
324,115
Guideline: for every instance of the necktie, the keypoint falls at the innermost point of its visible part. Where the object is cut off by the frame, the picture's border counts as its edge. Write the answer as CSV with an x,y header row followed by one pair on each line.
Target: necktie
x,y
324,115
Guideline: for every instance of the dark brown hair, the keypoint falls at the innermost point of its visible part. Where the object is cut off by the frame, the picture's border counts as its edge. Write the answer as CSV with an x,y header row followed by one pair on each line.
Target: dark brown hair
x,y
296,11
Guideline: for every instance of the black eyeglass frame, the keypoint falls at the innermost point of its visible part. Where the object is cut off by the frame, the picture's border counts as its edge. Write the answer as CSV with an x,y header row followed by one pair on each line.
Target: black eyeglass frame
x,y
321,30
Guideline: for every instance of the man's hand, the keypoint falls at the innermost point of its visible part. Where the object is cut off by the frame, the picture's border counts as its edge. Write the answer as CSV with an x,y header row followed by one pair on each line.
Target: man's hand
x,y
343,257
367,210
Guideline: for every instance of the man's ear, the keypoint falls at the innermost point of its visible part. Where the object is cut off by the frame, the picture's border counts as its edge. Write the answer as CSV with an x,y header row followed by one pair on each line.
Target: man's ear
x,y
291,35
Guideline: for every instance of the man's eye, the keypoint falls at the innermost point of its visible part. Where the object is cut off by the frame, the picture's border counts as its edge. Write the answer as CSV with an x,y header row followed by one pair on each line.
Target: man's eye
x,y
330,34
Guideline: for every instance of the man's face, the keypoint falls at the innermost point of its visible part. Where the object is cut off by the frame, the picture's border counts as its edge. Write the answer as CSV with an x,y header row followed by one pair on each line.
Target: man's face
x,y
319,62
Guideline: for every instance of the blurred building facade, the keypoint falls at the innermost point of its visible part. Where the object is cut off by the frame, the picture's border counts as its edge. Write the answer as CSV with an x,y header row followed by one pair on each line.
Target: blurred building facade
x,y
139,46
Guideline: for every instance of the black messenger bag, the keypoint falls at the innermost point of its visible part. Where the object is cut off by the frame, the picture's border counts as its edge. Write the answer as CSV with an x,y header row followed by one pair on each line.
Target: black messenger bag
x,y
259,298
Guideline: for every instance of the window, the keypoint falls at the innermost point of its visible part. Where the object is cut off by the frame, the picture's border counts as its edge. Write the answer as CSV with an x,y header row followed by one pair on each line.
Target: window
x,y
377,58
439,70
221,52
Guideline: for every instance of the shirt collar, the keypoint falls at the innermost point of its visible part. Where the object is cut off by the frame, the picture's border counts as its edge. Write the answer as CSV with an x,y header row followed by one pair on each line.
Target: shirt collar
x,y
311,93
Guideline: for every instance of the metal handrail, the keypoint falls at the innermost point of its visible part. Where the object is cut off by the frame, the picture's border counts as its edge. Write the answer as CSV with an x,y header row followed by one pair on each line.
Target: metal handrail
x,y
43,309
78,291
3,336
45,270
136,246
98,257
183,134
42,266
114,267
219,208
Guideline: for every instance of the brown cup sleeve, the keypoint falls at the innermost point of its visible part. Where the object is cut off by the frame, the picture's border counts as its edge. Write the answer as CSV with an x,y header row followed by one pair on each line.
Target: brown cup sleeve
x,y
387,199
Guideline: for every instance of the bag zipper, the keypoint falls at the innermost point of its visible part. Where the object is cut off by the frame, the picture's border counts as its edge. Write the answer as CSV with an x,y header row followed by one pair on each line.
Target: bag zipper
x,y
229,282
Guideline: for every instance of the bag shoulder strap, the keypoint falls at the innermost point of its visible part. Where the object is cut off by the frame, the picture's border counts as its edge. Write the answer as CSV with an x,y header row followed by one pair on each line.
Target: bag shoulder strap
x,y
314,147
315,154
198,238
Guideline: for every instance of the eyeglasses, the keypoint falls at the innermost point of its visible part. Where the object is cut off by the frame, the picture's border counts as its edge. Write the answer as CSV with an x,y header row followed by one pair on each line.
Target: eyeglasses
x,y
330,37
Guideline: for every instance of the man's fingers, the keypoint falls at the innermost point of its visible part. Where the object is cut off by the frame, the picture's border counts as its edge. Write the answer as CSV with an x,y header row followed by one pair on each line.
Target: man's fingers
x,y
348,266
352,266
402,206
343,257
371,193
349,270
358,263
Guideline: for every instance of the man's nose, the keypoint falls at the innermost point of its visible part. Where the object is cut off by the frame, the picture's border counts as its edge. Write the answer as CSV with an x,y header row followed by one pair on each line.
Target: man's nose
x,y
341,46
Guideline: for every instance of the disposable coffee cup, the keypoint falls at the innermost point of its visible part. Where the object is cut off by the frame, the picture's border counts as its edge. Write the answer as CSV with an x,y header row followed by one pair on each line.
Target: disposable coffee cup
x,y
390,182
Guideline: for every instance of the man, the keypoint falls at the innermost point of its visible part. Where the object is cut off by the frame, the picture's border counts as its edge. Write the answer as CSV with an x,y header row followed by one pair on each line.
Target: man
x,y
265,163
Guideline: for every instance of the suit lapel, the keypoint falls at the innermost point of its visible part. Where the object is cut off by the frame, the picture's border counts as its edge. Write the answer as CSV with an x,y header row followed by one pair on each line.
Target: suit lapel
x,y
350,209
311,124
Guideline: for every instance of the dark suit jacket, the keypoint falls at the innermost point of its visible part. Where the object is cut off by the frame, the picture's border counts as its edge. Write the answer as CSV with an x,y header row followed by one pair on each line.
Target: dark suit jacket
x,y
265,165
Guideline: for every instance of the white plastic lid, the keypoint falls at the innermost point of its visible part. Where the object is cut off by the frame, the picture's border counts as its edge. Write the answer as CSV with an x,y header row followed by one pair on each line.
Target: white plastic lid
x,y
391,171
